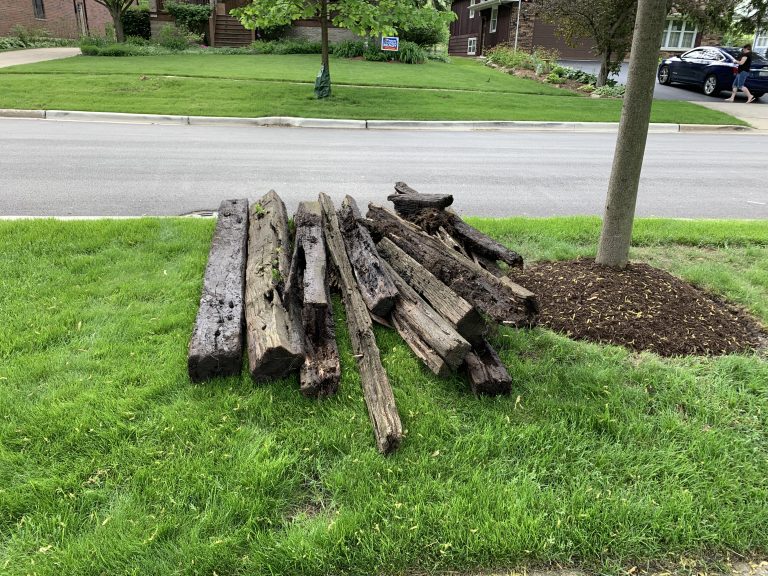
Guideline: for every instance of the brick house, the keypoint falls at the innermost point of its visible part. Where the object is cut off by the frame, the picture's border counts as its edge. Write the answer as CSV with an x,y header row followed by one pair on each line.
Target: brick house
x,y
60,18
225,30
482,24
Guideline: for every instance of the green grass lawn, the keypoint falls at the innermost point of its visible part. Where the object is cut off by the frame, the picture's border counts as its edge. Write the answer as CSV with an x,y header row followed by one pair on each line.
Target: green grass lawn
x,y
266,85
112,462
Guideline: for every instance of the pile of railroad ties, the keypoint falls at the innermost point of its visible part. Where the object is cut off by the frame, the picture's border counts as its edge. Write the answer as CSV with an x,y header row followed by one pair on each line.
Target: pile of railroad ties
x,y
420,270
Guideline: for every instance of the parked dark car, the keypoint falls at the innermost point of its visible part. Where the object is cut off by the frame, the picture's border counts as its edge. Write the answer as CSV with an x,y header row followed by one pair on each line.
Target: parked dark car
x,y
711,68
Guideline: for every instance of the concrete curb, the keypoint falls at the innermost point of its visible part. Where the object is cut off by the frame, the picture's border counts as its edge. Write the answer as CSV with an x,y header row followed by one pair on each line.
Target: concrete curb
x,y
293,122
114,117
8,113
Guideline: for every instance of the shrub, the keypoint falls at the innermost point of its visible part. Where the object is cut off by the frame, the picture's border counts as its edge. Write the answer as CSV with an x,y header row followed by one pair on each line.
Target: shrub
x,y
553,78
375,54
574,74
177,37
193,17
29,36
426,35
285,47
587,88
439,57
506,56
89,50
349,49
10,43
411,53
272,33
136,23
616,91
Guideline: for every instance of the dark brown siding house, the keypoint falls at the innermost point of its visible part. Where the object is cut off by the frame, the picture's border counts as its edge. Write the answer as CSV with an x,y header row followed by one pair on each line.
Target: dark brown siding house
x,y
483,24
60,18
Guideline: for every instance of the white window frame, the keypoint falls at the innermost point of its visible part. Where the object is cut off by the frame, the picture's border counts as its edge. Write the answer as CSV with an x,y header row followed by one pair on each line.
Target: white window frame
x,y
472,12
472,46
687,28
761,40
494,19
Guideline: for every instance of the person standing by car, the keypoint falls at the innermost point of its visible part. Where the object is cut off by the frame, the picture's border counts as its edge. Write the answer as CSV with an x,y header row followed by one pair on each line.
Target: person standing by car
x,y
745,63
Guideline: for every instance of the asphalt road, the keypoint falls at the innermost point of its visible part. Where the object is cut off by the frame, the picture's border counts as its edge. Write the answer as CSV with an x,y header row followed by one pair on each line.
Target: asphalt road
x,y
52,168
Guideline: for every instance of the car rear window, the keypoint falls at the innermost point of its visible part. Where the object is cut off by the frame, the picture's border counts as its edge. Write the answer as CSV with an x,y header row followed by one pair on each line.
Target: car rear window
x,y
736,53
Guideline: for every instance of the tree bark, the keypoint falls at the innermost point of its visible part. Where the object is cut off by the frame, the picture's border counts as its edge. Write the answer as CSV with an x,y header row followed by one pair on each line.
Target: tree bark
x,y
605,65
216,346
325,48
616,234
274,334
507,303
307,291
373,280
377,391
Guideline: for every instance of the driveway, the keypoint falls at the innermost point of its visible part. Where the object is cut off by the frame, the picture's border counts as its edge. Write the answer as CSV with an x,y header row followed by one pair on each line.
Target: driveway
x,y
15,57
660,92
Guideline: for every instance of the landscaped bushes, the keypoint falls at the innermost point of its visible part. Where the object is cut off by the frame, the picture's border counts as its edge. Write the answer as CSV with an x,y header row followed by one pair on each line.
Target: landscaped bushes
x,y
349,49
22,37
136,23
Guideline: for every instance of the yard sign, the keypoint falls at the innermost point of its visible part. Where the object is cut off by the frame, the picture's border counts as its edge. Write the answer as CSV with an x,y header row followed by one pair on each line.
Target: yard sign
x,y
390,43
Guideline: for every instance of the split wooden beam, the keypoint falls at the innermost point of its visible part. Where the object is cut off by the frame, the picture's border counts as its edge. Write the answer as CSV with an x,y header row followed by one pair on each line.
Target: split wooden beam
x,y
216,346
471,238
407,201
275,345
308,292
462,315
376,286
486,372
505,302
377,391
441,339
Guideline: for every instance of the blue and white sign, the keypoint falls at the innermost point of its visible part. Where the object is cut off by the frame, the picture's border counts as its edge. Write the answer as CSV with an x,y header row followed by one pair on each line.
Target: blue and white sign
x,y
390,43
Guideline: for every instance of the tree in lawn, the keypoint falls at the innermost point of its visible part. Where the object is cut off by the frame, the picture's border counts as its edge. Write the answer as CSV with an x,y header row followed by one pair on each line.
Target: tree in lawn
x,y
608,23
363,17
116,9
616,233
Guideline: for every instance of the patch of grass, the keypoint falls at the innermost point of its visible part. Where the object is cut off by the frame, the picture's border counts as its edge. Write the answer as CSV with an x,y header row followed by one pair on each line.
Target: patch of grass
x,y
460,74
249,98
111,461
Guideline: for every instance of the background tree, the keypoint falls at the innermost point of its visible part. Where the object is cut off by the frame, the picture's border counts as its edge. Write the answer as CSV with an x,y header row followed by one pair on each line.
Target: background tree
x,y
616,233
116,9
363,17
608,23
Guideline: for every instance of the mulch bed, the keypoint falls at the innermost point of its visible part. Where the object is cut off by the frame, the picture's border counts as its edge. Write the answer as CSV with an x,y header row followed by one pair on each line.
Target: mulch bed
x,y
640,307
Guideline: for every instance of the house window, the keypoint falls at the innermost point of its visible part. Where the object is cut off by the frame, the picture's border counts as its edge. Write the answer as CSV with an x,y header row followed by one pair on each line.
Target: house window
x,y
471,46
472,12
494,19
39,9
761,41
679,35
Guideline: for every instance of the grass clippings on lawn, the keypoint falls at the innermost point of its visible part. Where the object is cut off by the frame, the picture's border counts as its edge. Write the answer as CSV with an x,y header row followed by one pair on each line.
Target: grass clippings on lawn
x,y
111,461
640,307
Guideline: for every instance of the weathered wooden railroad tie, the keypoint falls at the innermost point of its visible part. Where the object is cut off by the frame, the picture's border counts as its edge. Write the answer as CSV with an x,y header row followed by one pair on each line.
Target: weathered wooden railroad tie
x,y
421,270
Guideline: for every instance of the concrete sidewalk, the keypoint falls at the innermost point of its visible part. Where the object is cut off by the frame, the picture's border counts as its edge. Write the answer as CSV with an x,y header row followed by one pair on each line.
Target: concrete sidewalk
x,y
32,55
756,113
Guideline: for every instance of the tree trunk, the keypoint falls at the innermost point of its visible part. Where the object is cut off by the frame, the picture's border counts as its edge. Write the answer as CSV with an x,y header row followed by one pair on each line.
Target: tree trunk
x,y
118,20
616,234
605,68
323,81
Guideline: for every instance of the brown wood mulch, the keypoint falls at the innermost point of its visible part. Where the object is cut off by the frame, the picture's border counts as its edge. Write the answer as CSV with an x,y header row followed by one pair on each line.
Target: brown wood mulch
x,y
641,307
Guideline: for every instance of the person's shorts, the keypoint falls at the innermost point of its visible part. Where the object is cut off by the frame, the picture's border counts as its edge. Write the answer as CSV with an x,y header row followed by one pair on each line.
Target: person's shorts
x,y
740,79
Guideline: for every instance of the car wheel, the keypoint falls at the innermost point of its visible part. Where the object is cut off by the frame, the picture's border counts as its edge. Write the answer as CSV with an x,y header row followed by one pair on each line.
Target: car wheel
x,y
710,85
665,76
